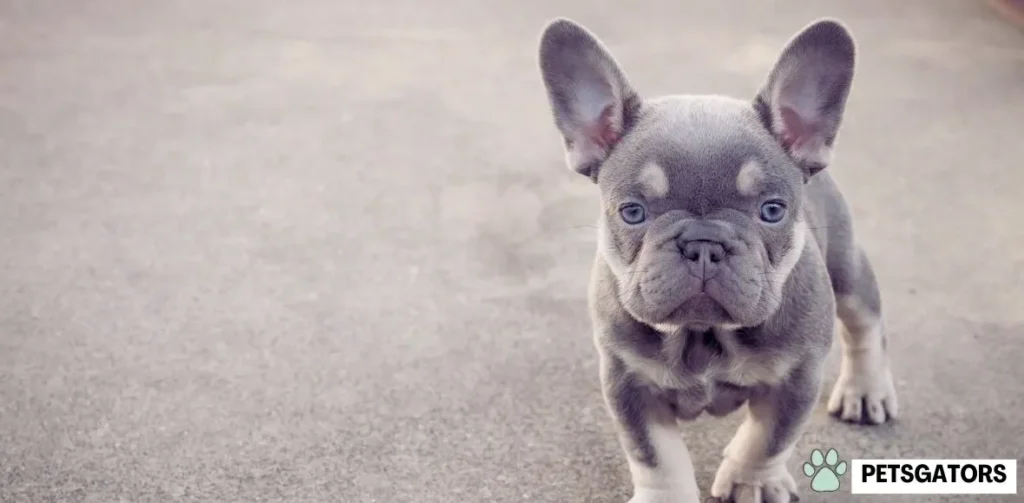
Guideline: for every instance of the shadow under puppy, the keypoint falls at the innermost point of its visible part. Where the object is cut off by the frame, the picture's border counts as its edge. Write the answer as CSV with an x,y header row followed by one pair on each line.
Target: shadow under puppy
x,y
725,253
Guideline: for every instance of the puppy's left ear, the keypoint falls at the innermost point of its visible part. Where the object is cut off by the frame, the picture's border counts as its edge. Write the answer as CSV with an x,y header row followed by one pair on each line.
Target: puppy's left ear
x,y
803,100
593,103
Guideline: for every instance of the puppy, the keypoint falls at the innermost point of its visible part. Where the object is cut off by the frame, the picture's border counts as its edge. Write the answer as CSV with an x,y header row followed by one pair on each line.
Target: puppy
x,y
725,253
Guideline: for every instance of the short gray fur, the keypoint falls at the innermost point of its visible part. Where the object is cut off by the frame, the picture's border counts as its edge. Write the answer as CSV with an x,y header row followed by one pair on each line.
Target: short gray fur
x,y
698,303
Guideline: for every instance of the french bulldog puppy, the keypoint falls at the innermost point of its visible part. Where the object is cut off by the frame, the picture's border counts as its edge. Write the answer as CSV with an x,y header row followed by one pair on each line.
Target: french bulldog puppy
x,y
726,252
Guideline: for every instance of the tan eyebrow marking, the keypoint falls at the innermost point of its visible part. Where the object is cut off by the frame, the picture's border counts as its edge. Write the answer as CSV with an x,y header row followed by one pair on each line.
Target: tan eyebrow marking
x,y
750,177
653,181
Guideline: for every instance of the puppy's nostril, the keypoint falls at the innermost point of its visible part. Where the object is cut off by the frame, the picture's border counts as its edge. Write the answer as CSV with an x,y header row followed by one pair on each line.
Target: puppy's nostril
x,y
691,250
691,253
716,253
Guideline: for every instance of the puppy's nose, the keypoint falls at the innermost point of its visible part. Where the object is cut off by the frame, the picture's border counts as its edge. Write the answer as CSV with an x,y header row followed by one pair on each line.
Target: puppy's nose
x,y
702,251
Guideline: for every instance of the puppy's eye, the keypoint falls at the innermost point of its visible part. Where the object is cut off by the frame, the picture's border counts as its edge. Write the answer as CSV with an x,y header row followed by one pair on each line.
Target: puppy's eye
x,y
773,212
632,213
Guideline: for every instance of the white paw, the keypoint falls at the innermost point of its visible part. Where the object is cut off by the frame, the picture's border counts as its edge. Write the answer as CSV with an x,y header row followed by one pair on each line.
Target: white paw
x,y
643,495
739,483
865,390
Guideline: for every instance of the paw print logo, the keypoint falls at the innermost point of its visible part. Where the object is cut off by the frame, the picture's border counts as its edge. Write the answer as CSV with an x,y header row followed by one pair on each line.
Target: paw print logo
x,y
825,471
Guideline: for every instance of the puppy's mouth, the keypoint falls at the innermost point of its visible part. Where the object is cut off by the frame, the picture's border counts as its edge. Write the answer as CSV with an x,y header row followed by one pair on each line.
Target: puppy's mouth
x,y
699,311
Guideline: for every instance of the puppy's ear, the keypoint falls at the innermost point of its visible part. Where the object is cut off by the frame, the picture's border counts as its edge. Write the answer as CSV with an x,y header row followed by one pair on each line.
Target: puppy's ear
x,y
803,100
593,103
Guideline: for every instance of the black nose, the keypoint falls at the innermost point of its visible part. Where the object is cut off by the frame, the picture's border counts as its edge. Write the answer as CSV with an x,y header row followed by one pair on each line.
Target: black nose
x,y
702,251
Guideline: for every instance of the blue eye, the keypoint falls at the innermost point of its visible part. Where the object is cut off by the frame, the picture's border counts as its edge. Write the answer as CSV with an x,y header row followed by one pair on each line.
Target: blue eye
x,y
773,212
632,213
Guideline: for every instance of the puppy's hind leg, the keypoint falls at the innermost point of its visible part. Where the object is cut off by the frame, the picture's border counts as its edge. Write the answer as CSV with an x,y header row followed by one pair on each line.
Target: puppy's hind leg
x,y
865,390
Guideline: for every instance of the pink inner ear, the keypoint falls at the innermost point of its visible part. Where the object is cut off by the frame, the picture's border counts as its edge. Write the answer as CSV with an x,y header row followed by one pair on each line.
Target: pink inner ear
x,y
602,132
795,131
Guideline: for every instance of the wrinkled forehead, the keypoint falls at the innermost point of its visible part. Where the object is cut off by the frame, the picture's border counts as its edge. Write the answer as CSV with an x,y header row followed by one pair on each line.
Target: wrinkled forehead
x,y
699,149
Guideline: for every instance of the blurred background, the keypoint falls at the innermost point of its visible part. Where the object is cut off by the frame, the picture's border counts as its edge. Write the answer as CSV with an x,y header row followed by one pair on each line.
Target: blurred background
x,y
329,251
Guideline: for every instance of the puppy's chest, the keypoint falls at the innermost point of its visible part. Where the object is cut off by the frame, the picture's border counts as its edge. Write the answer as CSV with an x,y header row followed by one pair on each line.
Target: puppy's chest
x,y
714,371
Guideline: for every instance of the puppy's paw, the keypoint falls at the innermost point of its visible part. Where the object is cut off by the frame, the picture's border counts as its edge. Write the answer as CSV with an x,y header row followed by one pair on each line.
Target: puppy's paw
x,y
864,392
643,495
738,483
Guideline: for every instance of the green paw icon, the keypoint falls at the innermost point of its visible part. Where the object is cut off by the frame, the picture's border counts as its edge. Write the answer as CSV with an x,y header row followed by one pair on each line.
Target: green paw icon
x,y
825,471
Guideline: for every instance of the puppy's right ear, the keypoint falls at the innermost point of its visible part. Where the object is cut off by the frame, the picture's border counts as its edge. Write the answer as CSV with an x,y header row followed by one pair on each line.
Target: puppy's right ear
x,y
593,103
803,100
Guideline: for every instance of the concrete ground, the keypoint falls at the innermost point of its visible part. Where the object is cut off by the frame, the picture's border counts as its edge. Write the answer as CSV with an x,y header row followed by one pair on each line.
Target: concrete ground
x,y
328,251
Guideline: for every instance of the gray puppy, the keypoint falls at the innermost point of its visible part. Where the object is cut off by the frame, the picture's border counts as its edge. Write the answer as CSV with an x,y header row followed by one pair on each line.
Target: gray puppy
x,y
725,253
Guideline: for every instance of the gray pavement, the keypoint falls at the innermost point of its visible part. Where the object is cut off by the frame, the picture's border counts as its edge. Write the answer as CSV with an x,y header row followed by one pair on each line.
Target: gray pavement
x,y
256,250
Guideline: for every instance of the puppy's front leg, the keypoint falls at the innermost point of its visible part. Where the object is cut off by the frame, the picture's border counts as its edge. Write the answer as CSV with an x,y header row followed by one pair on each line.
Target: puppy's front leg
x,y
659,461
754,466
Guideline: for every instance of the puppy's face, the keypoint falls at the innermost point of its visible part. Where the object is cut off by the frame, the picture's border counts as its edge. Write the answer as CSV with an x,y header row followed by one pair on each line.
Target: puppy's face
x,y
701,195
700,215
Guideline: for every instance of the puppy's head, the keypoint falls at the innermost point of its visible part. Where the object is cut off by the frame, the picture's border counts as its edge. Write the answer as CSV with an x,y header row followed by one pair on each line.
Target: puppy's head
x,y
701,195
